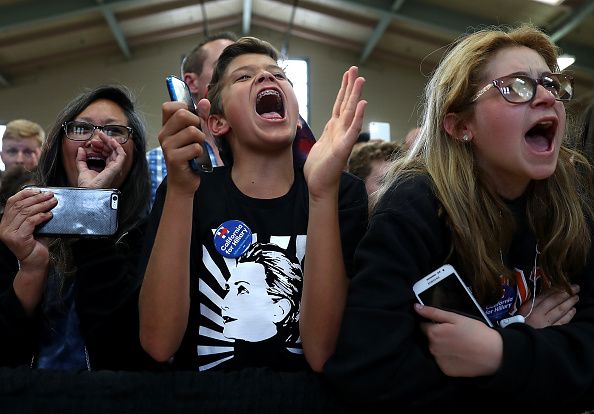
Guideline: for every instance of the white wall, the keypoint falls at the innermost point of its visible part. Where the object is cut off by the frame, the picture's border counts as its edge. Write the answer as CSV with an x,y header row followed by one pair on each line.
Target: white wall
x,y
392,90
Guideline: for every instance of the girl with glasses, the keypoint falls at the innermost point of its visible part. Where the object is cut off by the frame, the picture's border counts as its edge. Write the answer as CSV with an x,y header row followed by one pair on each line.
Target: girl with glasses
x,y
491,188
71,304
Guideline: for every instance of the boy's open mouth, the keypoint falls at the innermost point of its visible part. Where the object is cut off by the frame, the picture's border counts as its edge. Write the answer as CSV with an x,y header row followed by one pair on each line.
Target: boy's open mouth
x,y
270,105
95,162
541,136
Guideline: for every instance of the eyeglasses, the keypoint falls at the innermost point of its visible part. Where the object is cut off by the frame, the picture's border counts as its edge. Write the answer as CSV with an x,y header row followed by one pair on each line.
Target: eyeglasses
x,y
521,88
83,131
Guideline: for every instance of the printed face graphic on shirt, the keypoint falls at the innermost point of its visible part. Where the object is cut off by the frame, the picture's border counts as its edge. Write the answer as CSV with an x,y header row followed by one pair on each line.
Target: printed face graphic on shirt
x,y
251,299
250,312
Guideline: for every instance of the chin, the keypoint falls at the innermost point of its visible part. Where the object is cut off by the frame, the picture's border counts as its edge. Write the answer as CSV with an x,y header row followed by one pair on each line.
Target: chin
x,y
543,173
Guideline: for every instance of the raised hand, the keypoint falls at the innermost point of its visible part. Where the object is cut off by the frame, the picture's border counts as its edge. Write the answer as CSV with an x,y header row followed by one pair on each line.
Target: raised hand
x,y
551,307
461,346
329,155
181,140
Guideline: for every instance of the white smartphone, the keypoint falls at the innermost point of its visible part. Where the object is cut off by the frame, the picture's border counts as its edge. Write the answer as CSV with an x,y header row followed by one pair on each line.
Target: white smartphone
x,y
444,289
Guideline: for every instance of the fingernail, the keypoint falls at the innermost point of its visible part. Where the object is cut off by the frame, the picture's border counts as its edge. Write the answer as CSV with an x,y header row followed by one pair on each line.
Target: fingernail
x,y
418,306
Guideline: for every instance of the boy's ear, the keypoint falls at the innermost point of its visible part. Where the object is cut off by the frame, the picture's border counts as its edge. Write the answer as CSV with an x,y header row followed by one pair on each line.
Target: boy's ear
x,y
218,125
457,127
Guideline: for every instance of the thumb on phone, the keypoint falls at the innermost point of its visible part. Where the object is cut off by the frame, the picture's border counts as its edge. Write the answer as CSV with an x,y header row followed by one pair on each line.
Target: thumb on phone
x,y
203,110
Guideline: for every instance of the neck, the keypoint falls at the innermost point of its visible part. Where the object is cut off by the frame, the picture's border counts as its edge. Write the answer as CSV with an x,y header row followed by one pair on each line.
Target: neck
x,y
263,177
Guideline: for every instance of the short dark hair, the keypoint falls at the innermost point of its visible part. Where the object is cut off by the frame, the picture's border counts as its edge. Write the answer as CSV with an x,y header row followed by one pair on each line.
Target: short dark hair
x,y
242,46
12,181
194,61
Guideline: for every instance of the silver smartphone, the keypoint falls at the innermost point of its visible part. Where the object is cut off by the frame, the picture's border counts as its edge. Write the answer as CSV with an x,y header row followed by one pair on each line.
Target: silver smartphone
x,y
81,212
179,91
444,289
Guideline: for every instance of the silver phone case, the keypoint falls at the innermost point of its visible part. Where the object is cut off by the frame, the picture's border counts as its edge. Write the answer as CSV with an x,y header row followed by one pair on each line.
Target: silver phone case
x,y
81,212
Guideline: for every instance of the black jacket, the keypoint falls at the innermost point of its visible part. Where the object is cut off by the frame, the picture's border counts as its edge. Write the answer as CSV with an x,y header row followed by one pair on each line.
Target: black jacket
x,y
382,358
106,296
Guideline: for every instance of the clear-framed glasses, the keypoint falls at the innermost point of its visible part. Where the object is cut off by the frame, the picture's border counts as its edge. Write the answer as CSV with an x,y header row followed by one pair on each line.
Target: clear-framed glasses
x,y
521,88
83,131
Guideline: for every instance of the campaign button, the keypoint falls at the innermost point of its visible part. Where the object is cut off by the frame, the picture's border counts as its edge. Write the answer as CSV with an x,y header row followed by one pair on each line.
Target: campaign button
x,y
232,238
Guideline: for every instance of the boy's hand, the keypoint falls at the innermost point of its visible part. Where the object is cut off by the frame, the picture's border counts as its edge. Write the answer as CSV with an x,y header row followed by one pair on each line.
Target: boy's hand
x,y
181,141
329,155
461,346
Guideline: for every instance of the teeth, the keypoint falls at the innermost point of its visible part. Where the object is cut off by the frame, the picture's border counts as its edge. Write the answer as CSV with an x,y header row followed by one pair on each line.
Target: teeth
x,y
545,124
266,93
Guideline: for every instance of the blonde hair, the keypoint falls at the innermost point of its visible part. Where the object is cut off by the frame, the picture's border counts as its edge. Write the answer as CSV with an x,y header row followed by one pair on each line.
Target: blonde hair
x,y
23,129
482,226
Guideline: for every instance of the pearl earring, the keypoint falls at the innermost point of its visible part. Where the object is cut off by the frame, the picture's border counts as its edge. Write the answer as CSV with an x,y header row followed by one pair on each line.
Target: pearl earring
x,y
465,138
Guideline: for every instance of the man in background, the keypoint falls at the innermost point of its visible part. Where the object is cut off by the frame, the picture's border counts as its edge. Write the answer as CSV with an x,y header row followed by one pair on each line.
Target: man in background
x,y
21,144
196,70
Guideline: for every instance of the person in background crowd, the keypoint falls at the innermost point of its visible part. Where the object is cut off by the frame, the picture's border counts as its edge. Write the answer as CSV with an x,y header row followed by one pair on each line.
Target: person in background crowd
x,y
411,137
196,71
370,161
492,189
21,144
71,304
12,181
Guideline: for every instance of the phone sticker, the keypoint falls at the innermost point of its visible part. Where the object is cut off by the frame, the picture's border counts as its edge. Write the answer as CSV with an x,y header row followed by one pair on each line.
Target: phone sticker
x,y
232,239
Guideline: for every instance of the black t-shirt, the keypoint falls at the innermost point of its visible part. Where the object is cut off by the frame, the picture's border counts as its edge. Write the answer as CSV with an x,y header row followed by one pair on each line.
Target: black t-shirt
x,y
245,311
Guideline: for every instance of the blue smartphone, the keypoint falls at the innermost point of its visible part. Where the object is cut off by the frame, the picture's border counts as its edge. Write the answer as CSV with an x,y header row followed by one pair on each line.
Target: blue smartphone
x,y
179,91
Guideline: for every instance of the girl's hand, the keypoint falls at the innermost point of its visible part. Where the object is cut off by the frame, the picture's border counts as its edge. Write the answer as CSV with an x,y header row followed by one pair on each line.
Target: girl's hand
x,y
551,307
462,346
329,155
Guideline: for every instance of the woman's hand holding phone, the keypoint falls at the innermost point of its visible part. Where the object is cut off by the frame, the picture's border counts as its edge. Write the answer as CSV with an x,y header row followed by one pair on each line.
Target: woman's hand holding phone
x,y
461,346
181,140
23,211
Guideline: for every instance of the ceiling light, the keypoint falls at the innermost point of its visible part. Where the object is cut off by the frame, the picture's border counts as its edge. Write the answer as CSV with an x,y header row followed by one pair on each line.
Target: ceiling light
x,y
565,61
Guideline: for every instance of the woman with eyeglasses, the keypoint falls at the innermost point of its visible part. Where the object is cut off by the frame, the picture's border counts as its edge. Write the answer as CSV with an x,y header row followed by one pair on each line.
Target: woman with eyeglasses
x,y
490,188
71,304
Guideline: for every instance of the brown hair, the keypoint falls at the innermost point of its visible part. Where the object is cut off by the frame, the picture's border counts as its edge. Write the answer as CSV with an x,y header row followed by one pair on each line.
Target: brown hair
x,y
363,155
